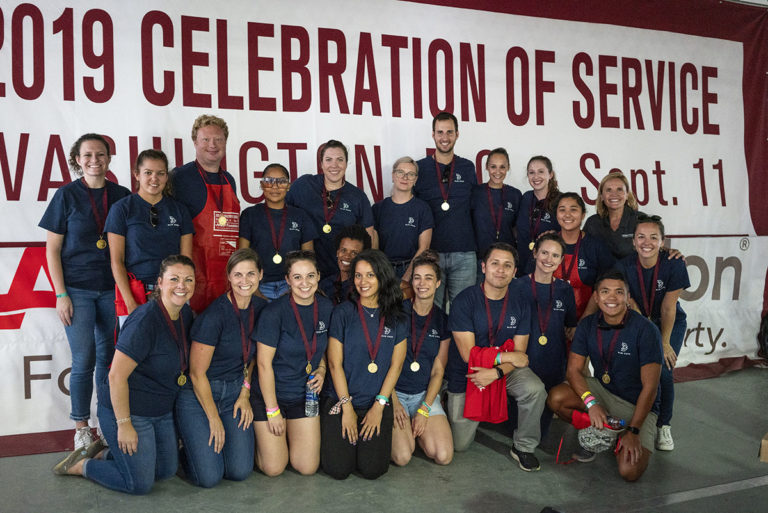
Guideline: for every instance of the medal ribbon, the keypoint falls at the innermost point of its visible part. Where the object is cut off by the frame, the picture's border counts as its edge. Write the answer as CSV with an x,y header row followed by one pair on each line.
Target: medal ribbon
x,y
416,343
614,338
329,213
220,199
99,220
309,350
372,350
492,334
181,342
543,324
535,227
443,192
648,301
566,275
496,220
277,240
245,339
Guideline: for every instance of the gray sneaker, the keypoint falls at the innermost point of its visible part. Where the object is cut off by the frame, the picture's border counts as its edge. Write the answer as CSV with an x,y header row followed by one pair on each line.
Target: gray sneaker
x,y
526,460
83,437
583,455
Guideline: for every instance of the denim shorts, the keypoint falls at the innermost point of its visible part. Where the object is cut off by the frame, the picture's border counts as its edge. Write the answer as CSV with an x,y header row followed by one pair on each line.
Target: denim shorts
x,y
411,403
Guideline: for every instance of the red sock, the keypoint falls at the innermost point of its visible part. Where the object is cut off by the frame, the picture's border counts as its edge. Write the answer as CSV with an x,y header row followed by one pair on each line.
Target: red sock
x,y
580,419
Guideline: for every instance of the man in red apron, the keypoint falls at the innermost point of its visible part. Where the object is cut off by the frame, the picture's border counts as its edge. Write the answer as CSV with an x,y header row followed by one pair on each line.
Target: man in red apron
x,y
210,194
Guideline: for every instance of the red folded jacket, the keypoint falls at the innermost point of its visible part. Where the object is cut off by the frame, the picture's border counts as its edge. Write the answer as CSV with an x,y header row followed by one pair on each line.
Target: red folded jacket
x,y
489,404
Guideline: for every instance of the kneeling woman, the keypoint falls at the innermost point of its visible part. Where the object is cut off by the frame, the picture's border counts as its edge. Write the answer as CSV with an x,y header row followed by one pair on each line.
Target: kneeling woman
x,y
136,405
214,415
366,350
416,402
291,357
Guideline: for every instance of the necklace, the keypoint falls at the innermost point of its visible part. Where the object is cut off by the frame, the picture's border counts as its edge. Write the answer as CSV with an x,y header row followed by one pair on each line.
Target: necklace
x,y
368,311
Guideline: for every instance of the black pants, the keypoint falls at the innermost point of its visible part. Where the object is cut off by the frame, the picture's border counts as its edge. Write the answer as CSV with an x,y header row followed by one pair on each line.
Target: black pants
x,y
339,458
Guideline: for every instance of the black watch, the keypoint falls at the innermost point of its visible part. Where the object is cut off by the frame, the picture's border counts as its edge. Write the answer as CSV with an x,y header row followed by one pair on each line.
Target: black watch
x,y
499,372
633,430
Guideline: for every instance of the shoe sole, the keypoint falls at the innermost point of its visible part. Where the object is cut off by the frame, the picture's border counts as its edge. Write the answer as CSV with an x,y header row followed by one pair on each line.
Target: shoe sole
x,y
665,447
520,464
584,460
64,465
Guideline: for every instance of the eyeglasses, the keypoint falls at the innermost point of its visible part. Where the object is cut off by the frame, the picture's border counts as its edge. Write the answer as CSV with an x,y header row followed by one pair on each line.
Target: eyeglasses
x,y
154,216
270,182
408,175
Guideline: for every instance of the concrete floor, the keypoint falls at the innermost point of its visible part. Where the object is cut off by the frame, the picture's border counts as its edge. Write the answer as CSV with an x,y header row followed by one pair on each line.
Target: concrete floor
x,y
717,428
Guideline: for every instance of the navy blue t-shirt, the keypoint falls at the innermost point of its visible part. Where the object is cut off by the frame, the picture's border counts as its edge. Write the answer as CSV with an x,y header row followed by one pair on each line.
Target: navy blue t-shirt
x,y
217,326
354,207
328,286
453,228
282,332
346,328
508,200
400,225
468,314
145,246
70,214
535,218
416,382
548,361
254,226
147,340
638,344
673,275
189,188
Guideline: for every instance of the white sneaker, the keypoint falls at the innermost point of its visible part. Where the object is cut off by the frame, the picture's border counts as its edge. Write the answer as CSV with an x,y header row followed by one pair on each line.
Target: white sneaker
x,y
664,440
83,437
101,436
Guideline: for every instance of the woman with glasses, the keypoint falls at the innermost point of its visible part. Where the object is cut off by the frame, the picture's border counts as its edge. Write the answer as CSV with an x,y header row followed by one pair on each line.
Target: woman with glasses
x,y
403,222
536,207
494,206
78,262
273,229
331,203
142,230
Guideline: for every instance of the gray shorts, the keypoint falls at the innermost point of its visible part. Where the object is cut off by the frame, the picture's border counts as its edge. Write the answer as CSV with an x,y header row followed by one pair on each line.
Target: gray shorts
x,y
618,407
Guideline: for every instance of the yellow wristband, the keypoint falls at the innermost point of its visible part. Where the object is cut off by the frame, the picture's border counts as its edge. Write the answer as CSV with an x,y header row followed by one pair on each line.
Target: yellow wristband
x,y
585,395
424,413
273,414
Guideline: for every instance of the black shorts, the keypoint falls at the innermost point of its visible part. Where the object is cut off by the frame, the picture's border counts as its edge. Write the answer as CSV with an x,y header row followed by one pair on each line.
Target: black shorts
x,y
289,410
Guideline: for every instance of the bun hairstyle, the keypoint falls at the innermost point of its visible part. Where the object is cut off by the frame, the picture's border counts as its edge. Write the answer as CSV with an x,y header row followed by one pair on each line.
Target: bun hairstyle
x,y
165,264
430,258
646,219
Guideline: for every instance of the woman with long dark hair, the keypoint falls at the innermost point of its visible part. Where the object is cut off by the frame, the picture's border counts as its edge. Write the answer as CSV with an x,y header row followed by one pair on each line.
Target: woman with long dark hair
x,y
366,350
78,261
214,415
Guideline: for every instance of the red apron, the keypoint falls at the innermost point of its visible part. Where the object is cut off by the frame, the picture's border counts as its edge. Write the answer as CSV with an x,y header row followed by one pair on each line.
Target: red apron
x,y
581,292
215,239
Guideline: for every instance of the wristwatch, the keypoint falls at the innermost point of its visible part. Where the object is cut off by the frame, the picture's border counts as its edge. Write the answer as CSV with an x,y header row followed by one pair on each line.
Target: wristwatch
x,y
633,430
499,372
381,400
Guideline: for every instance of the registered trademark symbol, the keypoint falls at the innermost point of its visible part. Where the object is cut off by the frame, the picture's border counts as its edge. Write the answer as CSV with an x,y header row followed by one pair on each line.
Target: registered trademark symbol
x,y
744,244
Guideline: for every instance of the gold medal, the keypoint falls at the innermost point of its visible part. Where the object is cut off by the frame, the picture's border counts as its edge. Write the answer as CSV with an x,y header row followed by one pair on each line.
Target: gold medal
x,y
445,206
606,378
543,340
277,258
101,243
182,380
222,220
372,367
530,245
308,368
326,228
415,366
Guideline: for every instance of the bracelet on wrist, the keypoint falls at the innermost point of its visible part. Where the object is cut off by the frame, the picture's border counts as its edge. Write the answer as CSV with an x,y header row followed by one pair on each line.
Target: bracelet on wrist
x,y
246,384
423,413
426,407
273,414
497,360
585,394
63,294
382,399
591,403
633,430
123,420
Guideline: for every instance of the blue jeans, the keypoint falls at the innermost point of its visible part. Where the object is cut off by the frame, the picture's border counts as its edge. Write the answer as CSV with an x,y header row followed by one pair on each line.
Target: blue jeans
x,y
274,289
92,344
156,457
667,382
459,270
204,467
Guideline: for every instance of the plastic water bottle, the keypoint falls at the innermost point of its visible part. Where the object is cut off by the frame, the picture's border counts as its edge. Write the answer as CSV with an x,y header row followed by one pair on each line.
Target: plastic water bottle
x,y
311,404
615,423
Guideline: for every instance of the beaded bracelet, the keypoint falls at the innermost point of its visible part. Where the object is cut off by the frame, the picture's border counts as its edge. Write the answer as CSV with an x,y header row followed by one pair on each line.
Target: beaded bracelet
x,y
427,407
123,420
425,414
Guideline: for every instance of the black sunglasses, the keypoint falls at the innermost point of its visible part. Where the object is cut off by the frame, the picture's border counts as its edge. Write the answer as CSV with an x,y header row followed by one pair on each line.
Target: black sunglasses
x,y
154,216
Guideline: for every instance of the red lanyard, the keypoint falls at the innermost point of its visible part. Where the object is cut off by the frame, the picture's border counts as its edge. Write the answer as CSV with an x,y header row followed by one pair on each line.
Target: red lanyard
x,y
220,199
416,343
328,213
277,240
373,350
648,301
614,338
445,193
574,259
181,342
492,334
245,339
494,218
313,349
543,324
99,220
